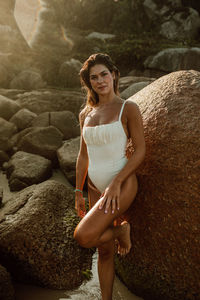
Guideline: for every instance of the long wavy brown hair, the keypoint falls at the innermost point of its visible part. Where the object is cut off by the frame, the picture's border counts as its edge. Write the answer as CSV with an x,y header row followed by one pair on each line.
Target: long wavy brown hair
x,y
94,59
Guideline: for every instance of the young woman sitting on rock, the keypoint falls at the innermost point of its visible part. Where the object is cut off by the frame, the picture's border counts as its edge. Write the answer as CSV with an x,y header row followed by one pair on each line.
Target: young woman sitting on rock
x,y
106,122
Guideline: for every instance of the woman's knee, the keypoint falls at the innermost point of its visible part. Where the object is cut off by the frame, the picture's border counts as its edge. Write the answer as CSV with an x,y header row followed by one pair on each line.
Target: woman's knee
x,y
106,251
83,237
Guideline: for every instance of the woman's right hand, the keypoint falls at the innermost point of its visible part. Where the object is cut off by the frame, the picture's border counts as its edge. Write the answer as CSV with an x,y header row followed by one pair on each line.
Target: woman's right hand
x,y
80,205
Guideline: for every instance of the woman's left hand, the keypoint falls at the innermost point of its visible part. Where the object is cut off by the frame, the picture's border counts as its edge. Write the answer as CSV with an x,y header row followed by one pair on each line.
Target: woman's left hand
x,y
110,198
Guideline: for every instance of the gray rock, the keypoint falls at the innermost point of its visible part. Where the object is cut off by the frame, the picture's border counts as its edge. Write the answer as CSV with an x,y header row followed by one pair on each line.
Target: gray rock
x,y
65,121
69,73
23,118
100,36
7,129
125,82
13,46
3,157
181,27
4,74
36,237
1,195
25,169
51,100
6,288
134,88
27,80
67,156
8,107
43,141
174,59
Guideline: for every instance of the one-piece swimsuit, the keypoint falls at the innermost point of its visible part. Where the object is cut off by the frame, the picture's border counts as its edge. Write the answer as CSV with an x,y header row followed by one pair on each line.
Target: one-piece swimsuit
x,y
106,144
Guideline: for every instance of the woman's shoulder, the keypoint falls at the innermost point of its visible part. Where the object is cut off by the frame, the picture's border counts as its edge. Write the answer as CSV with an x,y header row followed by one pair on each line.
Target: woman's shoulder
x,y
131,106
83,113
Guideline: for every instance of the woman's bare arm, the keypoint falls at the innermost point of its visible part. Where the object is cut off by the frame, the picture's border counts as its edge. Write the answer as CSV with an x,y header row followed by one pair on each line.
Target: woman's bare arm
x,y
81,171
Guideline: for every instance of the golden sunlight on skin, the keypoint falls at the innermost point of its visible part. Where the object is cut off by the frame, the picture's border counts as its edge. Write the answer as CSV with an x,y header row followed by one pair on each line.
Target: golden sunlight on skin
x,y
26,12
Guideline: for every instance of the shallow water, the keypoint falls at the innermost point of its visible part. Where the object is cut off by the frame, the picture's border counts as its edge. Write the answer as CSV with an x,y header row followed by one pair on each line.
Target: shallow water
x,y
87,291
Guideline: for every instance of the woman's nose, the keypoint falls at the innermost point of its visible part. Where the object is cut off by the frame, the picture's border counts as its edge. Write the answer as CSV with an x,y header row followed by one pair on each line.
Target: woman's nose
x,y
100,79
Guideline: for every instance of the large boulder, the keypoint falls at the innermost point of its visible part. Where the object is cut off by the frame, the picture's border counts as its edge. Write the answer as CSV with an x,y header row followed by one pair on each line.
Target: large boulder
x,y
164,261
25,169
7,129
8,107
3,157
6,288
50,40
175,59
27,80
51,100
69,73
15,52
172,19
65,121
43,141
67,156
23,118
36,237
125,82
134,88
182,25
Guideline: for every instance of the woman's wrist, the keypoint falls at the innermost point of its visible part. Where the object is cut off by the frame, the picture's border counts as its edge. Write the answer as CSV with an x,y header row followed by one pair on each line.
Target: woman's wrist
x,y
78,191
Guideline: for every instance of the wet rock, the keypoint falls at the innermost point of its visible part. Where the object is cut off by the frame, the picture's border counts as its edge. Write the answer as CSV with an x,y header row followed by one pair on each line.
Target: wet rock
x,y
25,169
27,80
67,156
164,261
65,121
134,88
36,237
23,118
51,100
174,59
43,141
7,129
69,73
8,107
6,288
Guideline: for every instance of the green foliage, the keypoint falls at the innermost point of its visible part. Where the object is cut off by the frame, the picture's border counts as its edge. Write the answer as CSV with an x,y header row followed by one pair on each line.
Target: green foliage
x,y
87,274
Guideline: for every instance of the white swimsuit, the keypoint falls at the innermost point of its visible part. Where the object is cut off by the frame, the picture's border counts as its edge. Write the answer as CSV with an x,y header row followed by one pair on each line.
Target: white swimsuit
x,y
106,146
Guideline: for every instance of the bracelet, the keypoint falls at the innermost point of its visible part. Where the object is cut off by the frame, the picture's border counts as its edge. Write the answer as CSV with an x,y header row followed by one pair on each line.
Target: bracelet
x,y
77,190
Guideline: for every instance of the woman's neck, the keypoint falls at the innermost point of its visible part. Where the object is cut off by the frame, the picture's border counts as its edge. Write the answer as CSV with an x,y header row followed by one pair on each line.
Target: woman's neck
x,y
107,99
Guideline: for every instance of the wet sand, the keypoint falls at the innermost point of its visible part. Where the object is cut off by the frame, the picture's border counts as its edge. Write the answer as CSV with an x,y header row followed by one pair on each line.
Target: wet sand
x,y
87,291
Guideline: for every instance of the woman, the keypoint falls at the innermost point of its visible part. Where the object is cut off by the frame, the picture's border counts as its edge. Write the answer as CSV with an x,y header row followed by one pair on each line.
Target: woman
x,y
106,122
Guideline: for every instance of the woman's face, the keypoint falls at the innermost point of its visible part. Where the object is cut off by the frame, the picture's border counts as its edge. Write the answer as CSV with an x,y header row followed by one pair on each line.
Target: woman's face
x,y
101,79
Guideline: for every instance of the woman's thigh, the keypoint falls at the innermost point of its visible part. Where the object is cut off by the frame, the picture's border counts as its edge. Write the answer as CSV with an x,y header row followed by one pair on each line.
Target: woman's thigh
x,y
97,221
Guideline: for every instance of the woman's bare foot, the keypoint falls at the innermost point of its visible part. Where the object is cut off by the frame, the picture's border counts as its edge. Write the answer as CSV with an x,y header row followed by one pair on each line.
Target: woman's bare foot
x,y
124,239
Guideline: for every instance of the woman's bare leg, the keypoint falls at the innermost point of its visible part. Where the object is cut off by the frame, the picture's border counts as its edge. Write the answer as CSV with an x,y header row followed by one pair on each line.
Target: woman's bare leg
x,y
96,227
105,253
106,269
